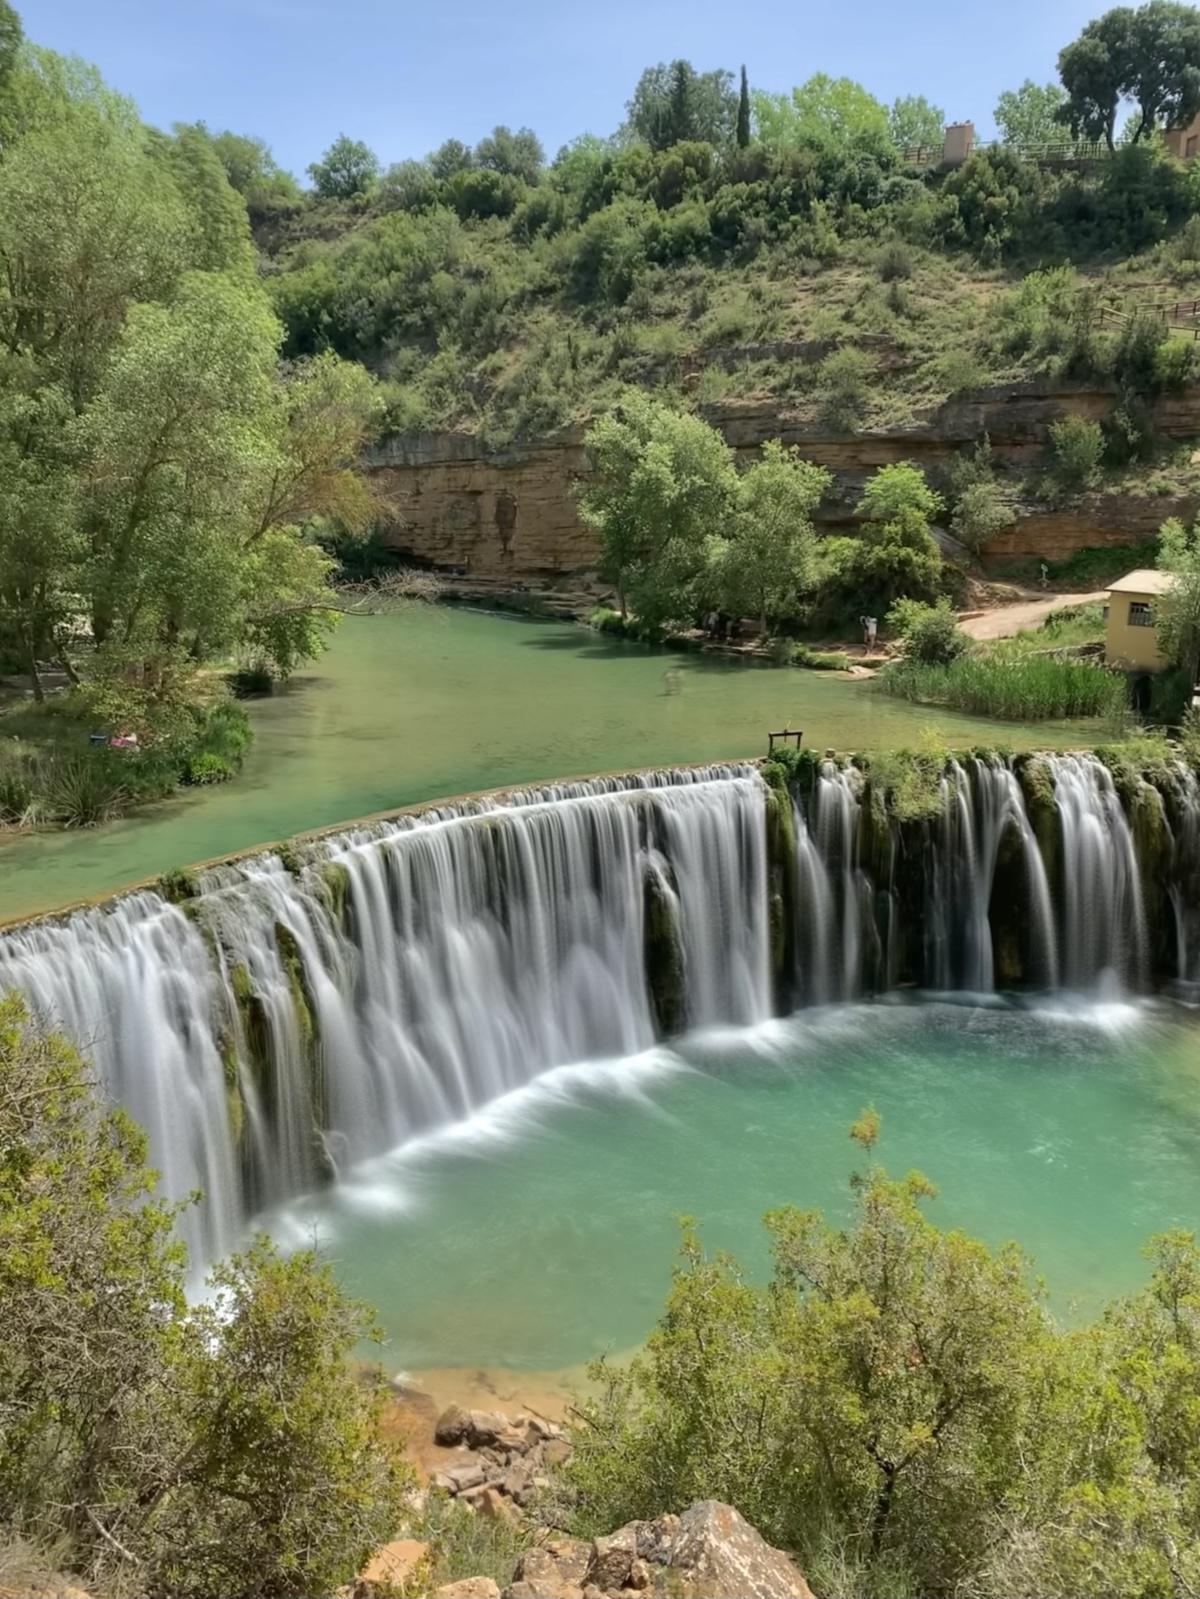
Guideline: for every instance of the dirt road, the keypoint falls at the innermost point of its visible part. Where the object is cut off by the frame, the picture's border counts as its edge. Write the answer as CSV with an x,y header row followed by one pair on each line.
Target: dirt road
x,y
1030,611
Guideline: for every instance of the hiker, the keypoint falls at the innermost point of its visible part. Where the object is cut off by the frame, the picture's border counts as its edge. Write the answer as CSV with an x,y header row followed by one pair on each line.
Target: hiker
x,y
1045,575
870,627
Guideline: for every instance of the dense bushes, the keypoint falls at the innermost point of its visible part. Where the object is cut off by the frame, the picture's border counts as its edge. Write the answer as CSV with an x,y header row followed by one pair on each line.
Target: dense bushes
x,y
227,1448
897,1407
51,776
453,265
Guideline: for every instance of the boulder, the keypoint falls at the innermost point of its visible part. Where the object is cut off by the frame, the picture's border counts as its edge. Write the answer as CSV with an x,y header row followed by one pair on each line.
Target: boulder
x,y
556,1451
457,1479
453,1426
468,1588
612,1559
540,1576
571,1556
390,1567
493,1504
716,1552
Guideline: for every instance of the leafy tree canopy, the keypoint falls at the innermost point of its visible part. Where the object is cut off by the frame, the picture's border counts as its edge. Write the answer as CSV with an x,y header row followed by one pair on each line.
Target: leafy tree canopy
x,y
913,120
1149,55
1028,117
674,102
824,112
347,168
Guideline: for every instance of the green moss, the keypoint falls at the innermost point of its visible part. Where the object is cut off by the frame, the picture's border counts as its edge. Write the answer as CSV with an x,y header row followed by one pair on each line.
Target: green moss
x,y
1041,806
177,887
256,1035
290,858
876,840
782,885
663,955
335,884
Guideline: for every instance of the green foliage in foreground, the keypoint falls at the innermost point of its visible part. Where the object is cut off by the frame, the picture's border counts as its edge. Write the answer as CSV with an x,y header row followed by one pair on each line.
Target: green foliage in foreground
x,y
897,1407
205,1451
1012,685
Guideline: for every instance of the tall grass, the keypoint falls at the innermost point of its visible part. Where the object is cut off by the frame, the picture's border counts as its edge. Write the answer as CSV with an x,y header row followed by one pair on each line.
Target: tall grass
x,y
1012,686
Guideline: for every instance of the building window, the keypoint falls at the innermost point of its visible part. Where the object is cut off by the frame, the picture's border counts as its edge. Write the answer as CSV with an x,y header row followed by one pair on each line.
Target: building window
x,y
1140,614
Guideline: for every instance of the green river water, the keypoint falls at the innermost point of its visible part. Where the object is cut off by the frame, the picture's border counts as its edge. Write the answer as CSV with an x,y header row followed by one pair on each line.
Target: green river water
x,y
541,1233
436,702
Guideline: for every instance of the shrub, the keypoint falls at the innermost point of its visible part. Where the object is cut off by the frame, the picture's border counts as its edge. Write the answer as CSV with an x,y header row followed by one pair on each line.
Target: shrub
x,y
1076,450
844,388
209,768
819,660
811,1406
931,633
226,1448
464,1544
85,790
894,261
250,681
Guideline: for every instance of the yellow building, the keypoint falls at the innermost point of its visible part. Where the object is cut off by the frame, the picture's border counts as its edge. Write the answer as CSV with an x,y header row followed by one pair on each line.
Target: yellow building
x,y
1131,639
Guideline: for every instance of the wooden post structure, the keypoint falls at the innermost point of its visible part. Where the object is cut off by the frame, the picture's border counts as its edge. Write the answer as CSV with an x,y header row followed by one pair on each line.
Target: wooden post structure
x,y
783,737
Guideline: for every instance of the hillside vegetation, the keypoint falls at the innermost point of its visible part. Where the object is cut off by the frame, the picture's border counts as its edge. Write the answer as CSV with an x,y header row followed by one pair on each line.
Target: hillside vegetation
x,y
810,261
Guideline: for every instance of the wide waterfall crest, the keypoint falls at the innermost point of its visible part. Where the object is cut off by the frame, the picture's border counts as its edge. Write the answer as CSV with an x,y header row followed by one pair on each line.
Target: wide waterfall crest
x,y
308,1010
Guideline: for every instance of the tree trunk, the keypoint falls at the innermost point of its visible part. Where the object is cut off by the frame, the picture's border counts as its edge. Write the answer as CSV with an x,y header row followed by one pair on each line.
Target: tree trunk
x,y
31,666
883,1509
621,602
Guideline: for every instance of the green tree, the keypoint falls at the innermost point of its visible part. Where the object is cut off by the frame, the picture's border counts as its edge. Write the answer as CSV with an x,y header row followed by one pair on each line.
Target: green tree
x,y
517,155
252,169
347,168
742,131
913,120
449,158
674,103
1178,610
1028,117
661,493
772,555
10,41
895,556
826,113
218,228
1149,55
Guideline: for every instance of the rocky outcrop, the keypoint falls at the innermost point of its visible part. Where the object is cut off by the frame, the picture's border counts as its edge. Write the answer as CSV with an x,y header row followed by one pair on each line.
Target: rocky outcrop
x,y
511,516
499,1463
709,1552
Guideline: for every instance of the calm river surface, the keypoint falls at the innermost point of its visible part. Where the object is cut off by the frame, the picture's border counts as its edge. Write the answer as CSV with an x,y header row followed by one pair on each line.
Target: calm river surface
x,y
541,1233
434,702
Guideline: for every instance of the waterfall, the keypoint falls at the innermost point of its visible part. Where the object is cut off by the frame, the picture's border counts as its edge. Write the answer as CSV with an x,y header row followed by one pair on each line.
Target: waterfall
x,y
291,1023
833,891
983,826
302,1013
1104,936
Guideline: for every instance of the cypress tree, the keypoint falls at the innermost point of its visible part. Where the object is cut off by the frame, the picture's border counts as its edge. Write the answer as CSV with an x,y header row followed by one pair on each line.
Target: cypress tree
x,y
743,114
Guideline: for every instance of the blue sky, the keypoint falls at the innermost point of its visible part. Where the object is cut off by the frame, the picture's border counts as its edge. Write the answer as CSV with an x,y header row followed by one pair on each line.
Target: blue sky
x,y
405,76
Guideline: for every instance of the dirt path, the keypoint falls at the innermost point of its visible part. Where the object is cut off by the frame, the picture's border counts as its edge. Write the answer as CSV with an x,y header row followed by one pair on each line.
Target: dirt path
x,y
1003,621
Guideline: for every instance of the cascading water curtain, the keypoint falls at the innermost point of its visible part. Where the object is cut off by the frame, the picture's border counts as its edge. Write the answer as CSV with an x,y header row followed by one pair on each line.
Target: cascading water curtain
x,y
286,1023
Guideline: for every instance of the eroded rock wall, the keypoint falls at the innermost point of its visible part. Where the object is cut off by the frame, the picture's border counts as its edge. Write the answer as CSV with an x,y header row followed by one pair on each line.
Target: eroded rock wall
x,y
512,515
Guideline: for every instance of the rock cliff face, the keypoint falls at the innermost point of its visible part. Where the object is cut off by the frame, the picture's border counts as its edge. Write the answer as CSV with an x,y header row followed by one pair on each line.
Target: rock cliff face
x,y
512,516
